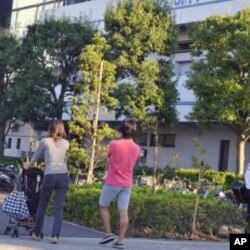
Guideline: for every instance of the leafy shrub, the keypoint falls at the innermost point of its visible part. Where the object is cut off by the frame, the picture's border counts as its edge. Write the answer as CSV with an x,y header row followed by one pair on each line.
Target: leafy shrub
x,y
224,179
5,160
168,173
143,170
159,215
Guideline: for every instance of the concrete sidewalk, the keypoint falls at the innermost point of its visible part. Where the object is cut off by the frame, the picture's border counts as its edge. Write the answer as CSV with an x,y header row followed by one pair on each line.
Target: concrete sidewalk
x,y
25,243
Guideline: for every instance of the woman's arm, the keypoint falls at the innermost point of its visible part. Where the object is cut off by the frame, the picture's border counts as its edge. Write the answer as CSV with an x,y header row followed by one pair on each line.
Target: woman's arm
x,y
37,155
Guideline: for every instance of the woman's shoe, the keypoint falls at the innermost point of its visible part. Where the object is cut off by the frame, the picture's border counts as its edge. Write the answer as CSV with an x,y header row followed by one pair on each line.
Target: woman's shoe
x,y
36,237
54,240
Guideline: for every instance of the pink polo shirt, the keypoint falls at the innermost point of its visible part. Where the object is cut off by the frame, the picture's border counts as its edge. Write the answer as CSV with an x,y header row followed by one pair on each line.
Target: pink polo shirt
x,y
122,154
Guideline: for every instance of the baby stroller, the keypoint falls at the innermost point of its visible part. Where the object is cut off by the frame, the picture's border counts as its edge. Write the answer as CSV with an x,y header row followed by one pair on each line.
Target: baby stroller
x,y
28,185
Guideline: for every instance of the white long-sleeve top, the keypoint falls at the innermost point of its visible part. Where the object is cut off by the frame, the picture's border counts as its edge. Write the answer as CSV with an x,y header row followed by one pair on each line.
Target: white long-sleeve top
x,y
54,154
247,177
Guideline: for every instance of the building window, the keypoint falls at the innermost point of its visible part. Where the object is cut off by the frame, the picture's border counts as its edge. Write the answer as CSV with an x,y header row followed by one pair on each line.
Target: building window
x,y
18,143
224,155
143,156
69,2
9,143
142,139
164,140
184,46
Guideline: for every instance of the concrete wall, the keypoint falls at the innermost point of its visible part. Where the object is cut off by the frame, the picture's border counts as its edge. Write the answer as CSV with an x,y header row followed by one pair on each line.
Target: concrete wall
x,y
28,136
185,149
189,13
185,11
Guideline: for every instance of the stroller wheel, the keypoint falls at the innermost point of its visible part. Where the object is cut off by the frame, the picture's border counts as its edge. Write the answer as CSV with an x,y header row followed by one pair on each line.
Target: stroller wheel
x,y
14,233
7,230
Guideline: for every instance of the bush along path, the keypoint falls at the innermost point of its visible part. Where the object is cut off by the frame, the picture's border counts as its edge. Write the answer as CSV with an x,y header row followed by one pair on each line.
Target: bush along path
x,y
163,214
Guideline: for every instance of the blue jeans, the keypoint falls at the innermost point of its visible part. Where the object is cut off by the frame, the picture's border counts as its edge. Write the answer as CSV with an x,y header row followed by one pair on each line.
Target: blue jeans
x,y
248,205
52,182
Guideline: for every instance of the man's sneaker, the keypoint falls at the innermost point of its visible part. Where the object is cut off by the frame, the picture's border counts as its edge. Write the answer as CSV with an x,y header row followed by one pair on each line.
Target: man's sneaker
x,y
54,240
36,237
108,238
118,245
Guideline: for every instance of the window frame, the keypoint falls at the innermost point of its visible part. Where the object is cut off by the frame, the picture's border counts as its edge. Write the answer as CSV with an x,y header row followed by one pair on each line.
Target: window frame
x,y
163,142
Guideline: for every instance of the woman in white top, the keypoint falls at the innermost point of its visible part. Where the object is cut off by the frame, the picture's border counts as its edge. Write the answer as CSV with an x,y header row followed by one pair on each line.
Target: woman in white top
x,y
54,151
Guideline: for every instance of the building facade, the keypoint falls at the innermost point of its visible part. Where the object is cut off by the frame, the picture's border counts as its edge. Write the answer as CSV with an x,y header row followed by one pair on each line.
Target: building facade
x,y
26,12
176,146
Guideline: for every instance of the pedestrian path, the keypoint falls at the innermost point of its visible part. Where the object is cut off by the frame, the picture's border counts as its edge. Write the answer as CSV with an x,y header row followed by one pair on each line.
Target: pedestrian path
x,y
25,243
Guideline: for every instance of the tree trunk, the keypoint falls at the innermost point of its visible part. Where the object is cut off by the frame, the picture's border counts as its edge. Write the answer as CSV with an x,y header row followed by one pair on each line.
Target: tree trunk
x,y
156,152
2,138
95,127
240,157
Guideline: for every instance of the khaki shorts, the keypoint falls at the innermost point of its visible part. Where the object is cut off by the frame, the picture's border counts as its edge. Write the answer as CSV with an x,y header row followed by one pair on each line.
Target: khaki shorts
x,y
110,192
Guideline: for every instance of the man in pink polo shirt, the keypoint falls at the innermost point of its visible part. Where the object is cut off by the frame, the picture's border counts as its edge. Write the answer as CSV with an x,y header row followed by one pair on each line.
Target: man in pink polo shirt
x,y
123,154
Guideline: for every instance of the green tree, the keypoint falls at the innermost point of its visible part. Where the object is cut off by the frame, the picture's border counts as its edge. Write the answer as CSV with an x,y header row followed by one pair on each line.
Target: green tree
x,y
52,50
19,99
93,95
142,38
220,77
8,66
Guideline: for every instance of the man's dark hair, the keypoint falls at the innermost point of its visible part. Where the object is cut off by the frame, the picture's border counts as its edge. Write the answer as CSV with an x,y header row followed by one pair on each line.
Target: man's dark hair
x,y
127,128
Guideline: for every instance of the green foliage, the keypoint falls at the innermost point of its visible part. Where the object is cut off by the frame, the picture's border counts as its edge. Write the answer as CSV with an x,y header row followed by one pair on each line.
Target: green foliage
x,y
220,76
9,63
224,179
136,30
163,215
51,59
143,171
9,161
85,104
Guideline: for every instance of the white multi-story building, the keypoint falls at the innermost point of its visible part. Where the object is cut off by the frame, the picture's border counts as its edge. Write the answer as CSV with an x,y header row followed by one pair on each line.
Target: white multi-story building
x,y
176,140
26,12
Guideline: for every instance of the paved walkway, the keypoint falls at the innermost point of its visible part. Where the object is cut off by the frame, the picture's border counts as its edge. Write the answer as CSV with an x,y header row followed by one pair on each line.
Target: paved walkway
x,y
24,243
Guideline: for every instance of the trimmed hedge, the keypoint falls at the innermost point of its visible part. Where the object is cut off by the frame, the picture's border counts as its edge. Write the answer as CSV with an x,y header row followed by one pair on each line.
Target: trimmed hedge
x,y
225,178
159,215
9,160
